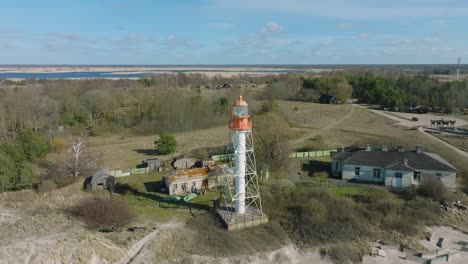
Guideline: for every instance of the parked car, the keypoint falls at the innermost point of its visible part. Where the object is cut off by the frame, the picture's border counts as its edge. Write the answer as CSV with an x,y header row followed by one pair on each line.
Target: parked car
x,y
415,119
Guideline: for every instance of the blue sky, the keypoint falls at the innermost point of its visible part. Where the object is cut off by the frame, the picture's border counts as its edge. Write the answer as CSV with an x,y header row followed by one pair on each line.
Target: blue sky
x,y
233,31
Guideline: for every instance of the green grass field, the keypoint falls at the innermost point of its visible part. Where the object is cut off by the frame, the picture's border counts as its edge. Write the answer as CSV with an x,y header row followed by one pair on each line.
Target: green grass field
x,y
147,204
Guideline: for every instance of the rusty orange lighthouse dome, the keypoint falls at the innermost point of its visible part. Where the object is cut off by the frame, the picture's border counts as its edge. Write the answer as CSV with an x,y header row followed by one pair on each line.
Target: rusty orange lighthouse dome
x,y
240,118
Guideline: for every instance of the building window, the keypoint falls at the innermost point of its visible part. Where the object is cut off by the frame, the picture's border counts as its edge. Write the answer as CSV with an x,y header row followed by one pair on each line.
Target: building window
x,y
398,175
376,173
357,171
175,186
336,165
439,174
417,176
193,184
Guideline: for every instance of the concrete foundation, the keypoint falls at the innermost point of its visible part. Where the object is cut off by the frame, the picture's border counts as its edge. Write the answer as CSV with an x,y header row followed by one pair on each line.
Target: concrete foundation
x,y
233,221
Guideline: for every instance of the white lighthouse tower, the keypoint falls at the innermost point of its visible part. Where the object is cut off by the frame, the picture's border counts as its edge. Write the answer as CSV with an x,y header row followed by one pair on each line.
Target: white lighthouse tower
x,y
243,187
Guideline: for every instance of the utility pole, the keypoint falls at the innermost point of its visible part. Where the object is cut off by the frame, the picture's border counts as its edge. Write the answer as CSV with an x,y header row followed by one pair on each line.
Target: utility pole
x,y
458,69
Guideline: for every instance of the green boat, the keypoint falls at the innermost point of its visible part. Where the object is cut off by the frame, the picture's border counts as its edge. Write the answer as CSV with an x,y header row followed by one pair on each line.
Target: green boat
x,y
171,199
189,197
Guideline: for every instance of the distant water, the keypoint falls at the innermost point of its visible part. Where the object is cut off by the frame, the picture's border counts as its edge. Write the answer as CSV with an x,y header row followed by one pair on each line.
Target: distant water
x,y
120,74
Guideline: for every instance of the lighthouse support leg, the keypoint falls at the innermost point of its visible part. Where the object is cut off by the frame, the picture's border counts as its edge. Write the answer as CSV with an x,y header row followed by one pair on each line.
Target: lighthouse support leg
x,y
240,162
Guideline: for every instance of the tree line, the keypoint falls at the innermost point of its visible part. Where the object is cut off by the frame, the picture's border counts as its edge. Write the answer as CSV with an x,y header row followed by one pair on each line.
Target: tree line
x,y
110,106
389,90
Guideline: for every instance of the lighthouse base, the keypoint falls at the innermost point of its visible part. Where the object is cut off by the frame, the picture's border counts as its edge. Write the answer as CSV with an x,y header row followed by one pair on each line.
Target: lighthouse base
x,y
233,221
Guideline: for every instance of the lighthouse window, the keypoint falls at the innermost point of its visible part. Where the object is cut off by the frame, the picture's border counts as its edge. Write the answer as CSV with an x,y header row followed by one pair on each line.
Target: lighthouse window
x,y
240,111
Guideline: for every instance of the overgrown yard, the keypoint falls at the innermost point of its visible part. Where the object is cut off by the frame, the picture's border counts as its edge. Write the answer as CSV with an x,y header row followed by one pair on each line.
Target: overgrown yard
x,y
332,219
342,191
146,199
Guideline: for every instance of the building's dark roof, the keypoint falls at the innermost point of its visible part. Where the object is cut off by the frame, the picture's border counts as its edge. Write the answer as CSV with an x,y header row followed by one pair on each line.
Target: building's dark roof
x,y
342,155
100,175
378,158
396,165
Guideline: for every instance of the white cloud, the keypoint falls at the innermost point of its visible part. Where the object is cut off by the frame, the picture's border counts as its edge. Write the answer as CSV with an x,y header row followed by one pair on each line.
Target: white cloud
x,y
263,37
271,28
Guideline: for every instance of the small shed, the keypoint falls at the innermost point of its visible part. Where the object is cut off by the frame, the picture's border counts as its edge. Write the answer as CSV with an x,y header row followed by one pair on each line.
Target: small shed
x,y
153,164
102,180
327,99
183,163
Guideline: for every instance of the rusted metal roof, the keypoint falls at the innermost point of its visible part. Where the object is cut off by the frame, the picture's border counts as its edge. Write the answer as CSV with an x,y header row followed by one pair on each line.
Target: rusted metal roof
x,y
187,174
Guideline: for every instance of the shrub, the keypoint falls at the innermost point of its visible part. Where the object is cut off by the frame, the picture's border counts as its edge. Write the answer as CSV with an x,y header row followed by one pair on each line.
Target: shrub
x,y
201,154
269,106
15,172
433,188
312,217
31,144
59,175
46,186
8,172
401,223
166,144
345,253
57,144
99,212
271,140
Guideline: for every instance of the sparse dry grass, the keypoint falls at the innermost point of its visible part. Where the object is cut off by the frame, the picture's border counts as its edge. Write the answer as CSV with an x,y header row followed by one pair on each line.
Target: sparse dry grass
x,y
311,115
125,152
460,142
41,230
364,127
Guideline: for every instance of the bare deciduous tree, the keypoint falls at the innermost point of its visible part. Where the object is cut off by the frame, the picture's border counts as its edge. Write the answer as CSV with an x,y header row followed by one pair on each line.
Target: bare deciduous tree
x,y
84,160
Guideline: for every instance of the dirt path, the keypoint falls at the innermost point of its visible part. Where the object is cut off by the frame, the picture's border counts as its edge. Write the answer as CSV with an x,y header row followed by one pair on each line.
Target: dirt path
x,y
141,244
318,109
405,119
325,128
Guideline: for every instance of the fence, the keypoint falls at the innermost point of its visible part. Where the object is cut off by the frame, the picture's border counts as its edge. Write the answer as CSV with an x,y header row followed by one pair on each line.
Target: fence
x,y
311,154
123,173
222,157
